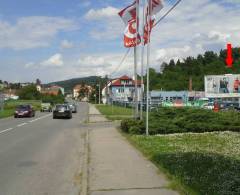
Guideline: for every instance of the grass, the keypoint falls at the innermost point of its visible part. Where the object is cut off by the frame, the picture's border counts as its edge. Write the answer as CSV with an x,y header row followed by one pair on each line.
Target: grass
x,y
6,113
206,163
10,106
115,112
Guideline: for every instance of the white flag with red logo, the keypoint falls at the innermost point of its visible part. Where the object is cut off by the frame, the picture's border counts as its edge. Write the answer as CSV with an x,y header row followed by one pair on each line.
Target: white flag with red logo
x,y
130,37
156,6
128,15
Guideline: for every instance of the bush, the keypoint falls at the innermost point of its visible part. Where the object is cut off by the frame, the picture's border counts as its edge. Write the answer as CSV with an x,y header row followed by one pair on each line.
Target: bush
x,y
181,120
132,126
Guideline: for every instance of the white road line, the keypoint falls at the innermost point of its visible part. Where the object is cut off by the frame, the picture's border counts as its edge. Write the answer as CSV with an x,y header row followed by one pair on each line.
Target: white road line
x,y
20,125
6,130
34,120
42,117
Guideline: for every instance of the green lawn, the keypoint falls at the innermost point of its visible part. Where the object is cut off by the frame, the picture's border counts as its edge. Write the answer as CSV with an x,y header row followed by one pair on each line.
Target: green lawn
x,y
10,106
115,112
6,113
203,164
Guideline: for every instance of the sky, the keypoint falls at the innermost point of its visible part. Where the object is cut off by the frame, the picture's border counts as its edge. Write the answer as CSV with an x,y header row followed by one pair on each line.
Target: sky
x,y
60,39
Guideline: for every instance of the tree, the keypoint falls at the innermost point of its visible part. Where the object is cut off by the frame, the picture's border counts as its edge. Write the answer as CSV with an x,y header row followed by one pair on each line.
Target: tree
x,y
29,93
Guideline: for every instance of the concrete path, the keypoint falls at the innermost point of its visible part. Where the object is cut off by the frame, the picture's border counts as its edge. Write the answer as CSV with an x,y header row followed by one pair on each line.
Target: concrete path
x,y
95,115
117,168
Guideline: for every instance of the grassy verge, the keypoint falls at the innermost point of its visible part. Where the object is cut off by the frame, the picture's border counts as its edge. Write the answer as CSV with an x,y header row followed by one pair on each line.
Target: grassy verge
x,y
206,163
10,106
115,112
6,113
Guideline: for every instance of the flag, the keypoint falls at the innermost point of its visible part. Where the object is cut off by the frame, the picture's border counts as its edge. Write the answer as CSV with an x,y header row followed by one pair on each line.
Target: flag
x,y
128,15
156,6
130,38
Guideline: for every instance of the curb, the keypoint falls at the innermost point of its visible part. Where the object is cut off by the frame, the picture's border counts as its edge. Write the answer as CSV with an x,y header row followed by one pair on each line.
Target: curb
x,y
84,182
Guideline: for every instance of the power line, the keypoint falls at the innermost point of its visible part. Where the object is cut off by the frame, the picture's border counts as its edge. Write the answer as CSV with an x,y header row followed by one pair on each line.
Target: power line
x,y
164,16
121,62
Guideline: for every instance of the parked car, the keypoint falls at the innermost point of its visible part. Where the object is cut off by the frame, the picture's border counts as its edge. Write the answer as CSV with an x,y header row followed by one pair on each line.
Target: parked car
x,y
73,107
46,107
24,111
62,111
209,106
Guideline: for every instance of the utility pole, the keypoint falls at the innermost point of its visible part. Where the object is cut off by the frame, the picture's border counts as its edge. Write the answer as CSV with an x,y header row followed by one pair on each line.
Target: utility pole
x,y
99,94
135,64
142,62
148,61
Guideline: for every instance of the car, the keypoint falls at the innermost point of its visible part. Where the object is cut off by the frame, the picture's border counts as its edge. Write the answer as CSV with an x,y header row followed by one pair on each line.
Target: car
x,y
24,111
46,107
62,111
209,106
73,107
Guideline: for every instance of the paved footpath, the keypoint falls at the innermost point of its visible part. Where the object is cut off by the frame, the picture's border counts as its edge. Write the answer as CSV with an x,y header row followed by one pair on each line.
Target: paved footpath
x,y
116,167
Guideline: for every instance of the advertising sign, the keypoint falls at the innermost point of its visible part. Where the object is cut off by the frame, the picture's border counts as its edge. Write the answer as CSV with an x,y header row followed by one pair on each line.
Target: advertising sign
x,y
222,86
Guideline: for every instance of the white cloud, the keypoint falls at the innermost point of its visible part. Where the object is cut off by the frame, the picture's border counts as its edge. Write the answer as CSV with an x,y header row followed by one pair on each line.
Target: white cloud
x,y
104,64
65,44
108,25
54,61
164,55
98,14
33,32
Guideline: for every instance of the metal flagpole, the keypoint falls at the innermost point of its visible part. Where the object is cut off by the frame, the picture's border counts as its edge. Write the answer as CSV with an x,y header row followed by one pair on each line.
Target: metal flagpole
x,y
148,61
135,64
142,63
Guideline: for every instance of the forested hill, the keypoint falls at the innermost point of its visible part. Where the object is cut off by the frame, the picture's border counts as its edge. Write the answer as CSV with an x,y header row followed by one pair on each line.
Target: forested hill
x,y
69,84
175,76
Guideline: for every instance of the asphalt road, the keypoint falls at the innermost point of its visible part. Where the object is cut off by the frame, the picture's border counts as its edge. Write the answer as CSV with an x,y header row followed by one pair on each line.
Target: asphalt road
x,y
42,155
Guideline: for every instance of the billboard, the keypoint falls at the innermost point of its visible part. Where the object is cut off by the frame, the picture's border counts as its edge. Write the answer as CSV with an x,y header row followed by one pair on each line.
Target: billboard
x,y
222,86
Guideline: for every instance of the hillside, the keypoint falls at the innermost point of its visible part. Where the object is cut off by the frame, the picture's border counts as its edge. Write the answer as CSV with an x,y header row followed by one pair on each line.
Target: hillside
x,y
69,84
175,76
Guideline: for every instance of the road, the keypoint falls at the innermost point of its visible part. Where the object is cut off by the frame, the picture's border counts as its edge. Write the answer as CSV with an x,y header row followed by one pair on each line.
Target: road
x,y
40,155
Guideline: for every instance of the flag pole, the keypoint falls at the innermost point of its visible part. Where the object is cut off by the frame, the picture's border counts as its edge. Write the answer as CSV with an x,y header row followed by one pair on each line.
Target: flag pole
x,y
135,63
148,61
142,62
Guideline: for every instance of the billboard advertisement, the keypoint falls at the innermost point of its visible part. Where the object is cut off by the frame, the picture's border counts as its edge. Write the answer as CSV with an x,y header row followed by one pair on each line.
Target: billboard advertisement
x,y
220,86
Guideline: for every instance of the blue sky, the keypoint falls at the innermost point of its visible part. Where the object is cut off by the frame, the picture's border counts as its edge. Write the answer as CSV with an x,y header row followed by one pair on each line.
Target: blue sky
x,y
59,39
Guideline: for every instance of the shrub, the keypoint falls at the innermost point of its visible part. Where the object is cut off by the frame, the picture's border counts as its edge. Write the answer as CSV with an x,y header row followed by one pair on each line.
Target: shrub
x,y
181,120
132,126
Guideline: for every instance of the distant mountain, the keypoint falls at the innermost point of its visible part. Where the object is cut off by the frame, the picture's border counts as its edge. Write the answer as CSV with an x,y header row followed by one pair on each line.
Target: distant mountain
x,y
69,84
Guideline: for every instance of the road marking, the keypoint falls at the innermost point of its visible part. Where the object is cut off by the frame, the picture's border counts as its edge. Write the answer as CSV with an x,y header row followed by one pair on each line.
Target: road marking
x,y
22,124
6,130
42,117
34,120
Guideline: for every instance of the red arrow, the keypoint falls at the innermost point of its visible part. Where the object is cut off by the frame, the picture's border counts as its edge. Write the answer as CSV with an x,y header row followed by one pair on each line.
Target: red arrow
x,y
229,59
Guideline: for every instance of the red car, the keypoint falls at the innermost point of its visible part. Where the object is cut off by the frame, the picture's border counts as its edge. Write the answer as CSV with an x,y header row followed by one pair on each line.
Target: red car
x,y
24,111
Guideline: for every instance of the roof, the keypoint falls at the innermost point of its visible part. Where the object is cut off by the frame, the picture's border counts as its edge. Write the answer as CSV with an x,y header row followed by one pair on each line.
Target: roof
x,y
117,82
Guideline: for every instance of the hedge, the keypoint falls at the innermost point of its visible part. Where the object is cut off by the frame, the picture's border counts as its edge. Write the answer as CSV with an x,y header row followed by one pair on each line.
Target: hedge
x,y
181,120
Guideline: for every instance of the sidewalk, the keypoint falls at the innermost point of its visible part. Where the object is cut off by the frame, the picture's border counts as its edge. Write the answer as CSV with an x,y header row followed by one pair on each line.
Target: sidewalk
x,y
117,168
95,115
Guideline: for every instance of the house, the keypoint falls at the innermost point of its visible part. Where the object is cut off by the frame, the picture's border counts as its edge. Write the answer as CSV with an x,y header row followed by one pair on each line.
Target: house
x,y
86,89
10,94
53,90
120,90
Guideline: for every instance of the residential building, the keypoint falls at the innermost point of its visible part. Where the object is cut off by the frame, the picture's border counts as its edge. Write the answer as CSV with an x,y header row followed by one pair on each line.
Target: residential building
x,y
87,89
120,90
53,90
